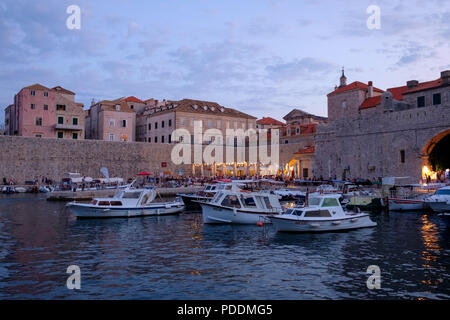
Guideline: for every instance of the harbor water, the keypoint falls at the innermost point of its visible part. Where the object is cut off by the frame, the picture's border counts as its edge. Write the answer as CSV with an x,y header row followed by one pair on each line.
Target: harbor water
x,y
178,257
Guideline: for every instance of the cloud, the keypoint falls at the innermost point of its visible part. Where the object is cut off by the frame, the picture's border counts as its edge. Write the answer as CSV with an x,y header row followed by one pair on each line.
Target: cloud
x,y
305,68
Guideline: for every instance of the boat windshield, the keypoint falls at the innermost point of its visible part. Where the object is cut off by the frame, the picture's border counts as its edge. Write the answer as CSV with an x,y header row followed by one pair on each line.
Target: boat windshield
x,y
330,202
443,191
314,201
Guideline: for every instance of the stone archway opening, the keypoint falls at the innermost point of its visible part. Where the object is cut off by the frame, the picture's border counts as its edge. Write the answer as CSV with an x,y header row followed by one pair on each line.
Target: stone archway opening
x,y
436,157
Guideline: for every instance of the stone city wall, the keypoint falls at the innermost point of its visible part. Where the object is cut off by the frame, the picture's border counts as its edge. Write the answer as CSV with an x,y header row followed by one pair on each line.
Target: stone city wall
x,y
370,147
28,158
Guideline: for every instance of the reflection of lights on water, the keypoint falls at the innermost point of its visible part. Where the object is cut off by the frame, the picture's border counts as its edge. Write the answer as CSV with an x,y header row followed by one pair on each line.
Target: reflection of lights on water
x,y
430,240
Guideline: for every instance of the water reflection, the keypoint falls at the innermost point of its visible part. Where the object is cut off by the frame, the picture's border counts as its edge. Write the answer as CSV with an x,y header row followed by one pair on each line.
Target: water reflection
x,y
178,257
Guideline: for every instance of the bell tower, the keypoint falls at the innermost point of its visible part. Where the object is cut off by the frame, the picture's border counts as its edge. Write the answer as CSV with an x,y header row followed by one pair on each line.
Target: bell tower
x,y
343,79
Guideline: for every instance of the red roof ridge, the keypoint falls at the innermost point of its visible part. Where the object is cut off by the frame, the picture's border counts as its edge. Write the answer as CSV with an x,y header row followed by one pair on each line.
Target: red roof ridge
x,y
354,86
133,99
269,120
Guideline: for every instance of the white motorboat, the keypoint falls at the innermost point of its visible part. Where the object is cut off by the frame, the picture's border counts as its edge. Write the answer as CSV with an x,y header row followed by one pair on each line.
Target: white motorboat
x,y
440,200
8,189
126,203
20,189
233,205
320,213
407,197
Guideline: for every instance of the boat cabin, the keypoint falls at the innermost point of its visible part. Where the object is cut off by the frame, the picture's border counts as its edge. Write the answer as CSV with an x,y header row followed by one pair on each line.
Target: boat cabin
x,y
127,197
242,199
326,206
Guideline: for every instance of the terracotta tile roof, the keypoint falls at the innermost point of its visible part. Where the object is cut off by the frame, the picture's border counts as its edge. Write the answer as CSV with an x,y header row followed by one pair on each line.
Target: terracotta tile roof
x,y
37,86
398,92
304,129
61,89
354,86
203,107
297,113
110,105
133,99
425,86
269,121
310,149
370,102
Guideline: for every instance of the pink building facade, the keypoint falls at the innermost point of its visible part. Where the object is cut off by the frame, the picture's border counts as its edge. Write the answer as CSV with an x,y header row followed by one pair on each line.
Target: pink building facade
x,y
34,112
111,120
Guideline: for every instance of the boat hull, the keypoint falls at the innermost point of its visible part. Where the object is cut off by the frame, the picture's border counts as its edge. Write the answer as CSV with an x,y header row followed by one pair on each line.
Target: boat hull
x,y
406,204
439,206
85,211
190,201
220,215
291,225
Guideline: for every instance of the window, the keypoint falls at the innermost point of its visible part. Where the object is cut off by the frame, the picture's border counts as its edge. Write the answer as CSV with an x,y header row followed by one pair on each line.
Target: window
x,y
330,202
33,93
402,156
45,94
436,99
219,124
162,124
112,122
132,106
162,139
60,120
38,136
39,121
249,202
118,107
75,121
305,172
421,102
192,139
170,122
156,139
75,136
156,125
60,107
182,121
150,139
344,104
286,141
123,123
170,138
33,106
60,134
209,123
45,106
149,126
317,214
192,122
111,137
181,139
231,201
